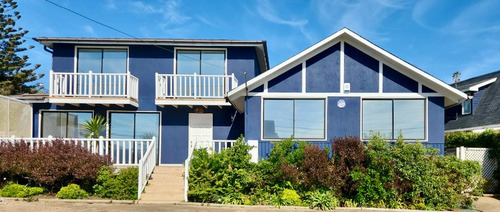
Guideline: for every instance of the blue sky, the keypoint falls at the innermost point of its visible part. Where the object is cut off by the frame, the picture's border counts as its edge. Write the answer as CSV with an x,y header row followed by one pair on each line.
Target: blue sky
x,y
439,37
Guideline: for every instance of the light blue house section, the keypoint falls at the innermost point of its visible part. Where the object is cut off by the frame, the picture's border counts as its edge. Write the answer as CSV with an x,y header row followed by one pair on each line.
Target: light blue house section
x,y
343,86
172,89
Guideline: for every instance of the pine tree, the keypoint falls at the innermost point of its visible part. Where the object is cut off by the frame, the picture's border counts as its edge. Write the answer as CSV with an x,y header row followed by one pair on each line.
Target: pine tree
x,y
15,71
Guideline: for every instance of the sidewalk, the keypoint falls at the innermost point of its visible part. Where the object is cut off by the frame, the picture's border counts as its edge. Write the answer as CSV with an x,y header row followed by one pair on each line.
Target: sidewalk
x,y
485,204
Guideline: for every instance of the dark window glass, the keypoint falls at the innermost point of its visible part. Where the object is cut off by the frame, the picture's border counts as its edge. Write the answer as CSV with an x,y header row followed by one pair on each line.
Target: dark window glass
x,y
64,124
298,118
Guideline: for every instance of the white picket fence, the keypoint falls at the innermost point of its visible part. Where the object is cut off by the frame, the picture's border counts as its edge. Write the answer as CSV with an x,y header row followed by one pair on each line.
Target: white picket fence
x,y
213,145
123,152
488,165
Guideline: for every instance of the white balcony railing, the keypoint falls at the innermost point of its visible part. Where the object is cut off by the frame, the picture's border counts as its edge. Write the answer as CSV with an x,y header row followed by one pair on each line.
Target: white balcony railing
x,y
193,86
93,85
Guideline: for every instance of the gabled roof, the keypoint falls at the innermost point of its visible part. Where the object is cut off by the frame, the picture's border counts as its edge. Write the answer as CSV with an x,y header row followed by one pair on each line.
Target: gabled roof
x,y
487,111
259,45
452,95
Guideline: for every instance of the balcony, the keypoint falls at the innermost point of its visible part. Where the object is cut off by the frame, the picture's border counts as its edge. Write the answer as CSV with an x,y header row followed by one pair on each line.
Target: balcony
x,y
205,90
94,88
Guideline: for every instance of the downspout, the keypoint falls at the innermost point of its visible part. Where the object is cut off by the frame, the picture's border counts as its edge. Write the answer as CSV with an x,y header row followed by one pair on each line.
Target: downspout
x,y
48,50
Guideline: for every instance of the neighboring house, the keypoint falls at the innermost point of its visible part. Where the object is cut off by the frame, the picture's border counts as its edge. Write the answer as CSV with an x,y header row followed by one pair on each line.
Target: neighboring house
x,y
172,89
184,91
482,108
344,85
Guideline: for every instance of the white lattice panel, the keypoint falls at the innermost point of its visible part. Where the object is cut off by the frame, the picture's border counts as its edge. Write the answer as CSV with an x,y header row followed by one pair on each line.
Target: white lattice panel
x,y
15,118
488,165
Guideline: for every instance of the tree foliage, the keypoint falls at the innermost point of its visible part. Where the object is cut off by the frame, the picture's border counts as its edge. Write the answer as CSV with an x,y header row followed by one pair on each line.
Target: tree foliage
x,y
15,70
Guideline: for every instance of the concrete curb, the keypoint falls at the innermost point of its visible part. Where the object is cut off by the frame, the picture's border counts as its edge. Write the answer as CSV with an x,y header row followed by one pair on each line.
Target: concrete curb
x,y
88,201
297,207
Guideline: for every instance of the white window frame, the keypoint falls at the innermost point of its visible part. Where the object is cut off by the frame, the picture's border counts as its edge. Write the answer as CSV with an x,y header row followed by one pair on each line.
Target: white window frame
x,y
41,111
467,101
325,121
426,118
75,62
158,140
176,49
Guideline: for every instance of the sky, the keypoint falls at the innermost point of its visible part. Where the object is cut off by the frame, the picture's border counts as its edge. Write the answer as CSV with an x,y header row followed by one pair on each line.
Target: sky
x,y
437,36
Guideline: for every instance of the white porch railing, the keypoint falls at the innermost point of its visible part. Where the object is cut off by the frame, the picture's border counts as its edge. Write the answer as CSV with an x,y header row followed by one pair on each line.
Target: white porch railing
x,y
194,86
215,145
146,166
93,85
123,152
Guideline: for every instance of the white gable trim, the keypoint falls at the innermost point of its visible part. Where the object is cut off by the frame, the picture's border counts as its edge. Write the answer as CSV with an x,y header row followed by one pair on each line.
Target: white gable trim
x,y
475,88
451,94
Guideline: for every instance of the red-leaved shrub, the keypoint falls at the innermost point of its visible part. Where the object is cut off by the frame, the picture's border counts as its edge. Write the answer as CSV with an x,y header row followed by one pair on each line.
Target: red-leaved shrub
x,y
51,165
348,155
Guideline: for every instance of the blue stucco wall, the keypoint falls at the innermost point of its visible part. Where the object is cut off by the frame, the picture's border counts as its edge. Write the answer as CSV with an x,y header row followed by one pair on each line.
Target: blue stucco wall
x,y
252,118
343,121
175,130
290,81
241,60
395,82
360,70
426,89
63,58
323,71
435,123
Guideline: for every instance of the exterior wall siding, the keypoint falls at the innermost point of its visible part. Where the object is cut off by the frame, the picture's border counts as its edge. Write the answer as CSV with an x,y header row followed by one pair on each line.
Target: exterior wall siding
x,y
323,71
290,81
343,121
435,121
360,70
396,82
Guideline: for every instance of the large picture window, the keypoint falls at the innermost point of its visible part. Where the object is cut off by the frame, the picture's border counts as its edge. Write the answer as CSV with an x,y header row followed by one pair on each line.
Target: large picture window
x,y
389,117
102,60
201,62
300,118
64,124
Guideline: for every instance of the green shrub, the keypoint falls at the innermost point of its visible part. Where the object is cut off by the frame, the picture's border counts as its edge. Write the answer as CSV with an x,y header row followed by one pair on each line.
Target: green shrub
x,y
121,186
323,200
348,155
225,177
19,191
72,191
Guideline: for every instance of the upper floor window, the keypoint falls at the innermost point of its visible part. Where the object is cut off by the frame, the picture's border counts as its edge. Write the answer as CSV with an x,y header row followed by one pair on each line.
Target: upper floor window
x,y
467,107
205,62
103,60
300,118
390,116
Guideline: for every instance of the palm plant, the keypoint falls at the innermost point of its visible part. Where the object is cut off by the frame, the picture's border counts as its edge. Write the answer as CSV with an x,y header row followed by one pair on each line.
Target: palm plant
x,y
95,126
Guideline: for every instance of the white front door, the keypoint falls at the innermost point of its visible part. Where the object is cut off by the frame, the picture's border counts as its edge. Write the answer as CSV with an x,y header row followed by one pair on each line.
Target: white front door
x,y
200,130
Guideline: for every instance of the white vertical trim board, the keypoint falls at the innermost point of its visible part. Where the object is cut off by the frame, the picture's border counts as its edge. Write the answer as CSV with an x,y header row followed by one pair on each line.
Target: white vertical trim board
x,y
266,87
304,77
341,67
419,88
380,77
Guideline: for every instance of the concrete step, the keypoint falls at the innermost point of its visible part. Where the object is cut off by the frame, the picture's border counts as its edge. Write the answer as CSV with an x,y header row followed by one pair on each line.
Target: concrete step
x,y
166,185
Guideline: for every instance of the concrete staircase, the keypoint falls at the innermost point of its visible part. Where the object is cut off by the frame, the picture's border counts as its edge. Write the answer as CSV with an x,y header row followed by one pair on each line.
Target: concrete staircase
x,y
167,185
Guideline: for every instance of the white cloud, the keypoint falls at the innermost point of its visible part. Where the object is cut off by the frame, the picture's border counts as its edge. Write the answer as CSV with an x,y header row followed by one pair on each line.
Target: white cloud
x,y
488,61
364,17
267,11
110,4
89,30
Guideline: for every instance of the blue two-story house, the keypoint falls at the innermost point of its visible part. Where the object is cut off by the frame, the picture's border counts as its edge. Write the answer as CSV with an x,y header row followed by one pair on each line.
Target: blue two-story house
x,y
174,90
185,91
